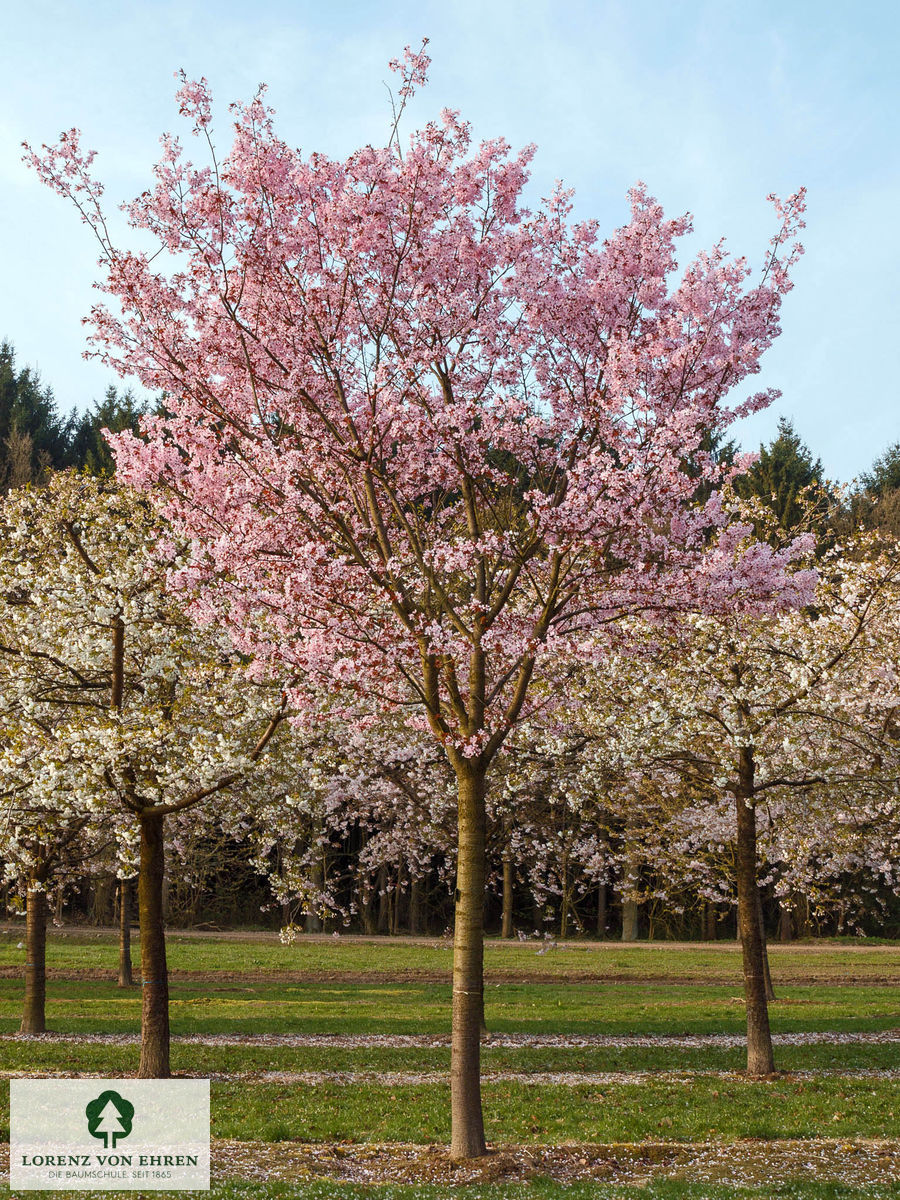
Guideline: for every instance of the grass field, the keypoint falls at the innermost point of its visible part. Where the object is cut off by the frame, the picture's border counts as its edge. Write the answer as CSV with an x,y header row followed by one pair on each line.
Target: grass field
x,y
611,1071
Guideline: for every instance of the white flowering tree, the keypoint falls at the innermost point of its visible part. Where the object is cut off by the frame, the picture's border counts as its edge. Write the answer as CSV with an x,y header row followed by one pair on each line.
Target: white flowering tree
x,y
789,716
123,711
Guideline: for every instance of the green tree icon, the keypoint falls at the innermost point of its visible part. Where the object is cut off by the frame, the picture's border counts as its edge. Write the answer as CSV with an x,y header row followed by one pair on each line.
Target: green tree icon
x,y
109,1117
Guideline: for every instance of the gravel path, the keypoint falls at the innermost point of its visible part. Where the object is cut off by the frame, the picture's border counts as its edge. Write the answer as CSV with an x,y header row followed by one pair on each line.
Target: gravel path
x,y
502,1040
395,1079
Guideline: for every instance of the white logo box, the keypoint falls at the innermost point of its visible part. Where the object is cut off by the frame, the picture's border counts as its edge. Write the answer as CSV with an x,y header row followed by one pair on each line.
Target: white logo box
x,y
109,1134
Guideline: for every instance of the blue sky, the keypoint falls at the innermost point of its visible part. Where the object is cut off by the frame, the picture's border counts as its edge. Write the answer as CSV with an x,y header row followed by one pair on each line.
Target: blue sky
x,y
714,105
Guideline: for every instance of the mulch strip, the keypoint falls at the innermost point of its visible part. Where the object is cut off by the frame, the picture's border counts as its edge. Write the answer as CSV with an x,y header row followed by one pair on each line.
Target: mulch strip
x,y
359,1041
854,1163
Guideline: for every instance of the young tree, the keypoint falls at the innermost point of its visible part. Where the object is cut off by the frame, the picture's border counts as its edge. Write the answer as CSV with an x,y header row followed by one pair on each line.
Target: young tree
x,y
44,846
761,709
422,438
121,709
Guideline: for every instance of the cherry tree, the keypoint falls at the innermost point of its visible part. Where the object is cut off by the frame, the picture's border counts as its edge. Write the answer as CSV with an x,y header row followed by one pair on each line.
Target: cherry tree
x,y
421,438
44,847
122,710
749,714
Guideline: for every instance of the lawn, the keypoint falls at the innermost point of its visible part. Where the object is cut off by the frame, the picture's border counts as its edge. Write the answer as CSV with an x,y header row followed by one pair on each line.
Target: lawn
x,y
863,960
334,1049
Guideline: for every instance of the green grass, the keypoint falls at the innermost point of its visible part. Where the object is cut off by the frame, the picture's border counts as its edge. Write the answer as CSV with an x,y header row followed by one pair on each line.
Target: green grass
x,y
514,1112
828,986
84,1006
718,962
699,1109
200,1060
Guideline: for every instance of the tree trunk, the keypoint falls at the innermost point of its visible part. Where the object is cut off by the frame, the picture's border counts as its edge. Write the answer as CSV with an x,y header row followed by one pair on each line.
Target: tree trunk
x,y
384,902
125,976
760,1058
601,910
564,898
396,900
467,1122
767,974
367,911
709,922
34,1019
506,930
313,922
630,920
785,924
415,906
804,921
154,972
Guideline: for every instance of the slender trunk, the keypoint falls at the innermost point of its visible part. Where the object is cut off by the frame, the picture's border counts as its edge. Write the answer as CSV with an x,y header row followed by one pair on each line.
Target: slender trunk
x,y
506,930
415,906
767,974
367,910
125,975
601,910
395,907
384,902
564,897
154,973
467,1123
34,1019
313,922
760,1058
805,920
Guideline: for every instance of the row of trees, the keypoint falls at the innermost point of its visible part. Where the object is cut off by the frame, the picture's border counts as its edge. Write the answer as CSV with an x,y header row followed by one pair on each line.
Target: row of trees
x,y
440,465
727,754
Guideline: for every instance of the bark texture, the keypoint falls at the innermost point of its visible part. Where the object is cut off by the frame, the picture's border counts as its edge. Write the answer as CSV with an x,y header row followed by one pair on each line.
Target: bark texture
x,y
601,910
467,1123
767,974
154,1062
760,1057
34,1008
506,930
125,973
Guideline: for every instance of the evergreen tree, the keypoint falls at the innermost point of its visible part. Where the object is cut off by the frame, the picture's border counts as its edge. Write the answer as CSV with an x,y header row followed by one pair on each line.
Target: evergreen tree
x,y
88,448
33,436
876,504
885,474
784,470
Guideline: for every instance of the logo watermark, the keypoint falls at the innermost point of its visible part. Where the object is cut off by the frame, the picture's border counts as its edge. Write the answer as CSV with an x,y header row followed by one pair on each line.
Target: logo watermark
x,y
109,1134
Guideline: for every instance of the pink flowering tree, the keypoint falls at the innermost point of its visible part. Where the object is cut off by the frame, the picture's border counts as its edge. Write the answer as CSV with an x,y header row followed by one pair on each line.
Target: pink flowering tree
x,y
423,439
